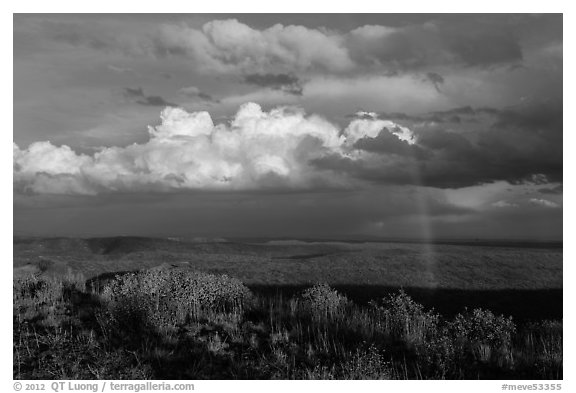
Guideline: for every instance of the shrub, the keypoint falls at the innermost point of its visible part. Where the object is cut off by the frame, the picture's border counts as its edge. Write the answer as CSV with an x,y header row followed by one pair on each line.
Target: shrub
x,y
539,349
403,319
166,298
323,302
46,300
177,324
36,289
44,264
483,335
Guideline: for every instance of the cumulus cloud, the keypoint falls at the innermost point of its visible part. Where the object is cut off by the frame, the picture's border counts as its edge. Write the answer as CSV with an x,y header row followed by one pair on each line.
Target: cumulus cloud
x,y
229,45
256,150
287,149
370,127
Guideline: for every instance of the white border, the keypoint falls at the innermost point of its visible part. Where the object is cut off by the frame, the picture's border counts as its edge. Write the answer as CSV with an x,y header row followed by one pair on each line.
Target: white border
x,y
297,6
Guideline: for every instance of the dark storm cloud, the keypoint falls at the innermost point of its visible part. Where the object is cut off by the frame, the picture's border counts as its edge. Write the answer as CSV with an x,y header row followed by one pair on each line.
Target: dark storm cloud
x,y
137,94
463,114
388,143
522,145
546,117
454,113
226,214
484,48
415,47
288,83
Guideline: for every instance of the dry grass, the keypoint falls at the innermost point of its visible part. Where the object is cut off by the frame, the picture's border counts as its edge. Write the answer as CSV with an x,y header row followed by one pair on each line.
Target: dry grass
x,y
178,324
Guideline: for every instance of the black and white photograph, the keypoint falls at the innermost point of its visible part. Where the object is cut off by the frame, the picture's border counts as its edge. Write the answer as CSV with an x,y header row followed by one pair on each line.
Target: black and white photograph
x,y
287,196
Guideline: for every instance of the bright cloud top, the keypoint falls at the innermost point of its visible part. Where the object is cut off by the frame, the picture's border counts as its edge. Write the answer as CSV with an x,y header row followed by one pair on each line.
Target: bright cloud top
x,y
256,150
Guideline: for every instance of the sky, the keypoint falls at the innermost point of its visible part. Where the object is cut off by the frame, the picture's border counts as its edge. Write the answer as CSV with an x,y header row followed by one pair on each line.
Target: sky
x,y
419,126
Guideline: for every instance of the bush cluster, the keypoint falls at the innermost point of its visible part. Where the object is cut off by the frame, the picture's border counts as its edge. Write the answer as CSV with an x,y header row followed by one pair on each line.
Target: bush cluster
x,y
405,320
482,335
177,324
323,302
445,347
167,298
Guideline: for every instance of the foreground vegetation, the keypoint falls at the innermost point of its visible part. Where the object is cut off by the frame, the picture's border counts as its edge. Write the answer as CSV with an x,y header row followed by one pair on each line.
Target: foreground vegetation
x,y
178,324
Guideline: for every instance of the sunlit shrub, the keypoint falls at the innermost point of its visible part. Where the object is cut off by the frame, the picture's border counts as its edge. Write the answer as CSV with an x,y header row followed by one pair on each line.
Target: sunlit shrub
x,y
483,335
403,319
177,323
168,297
323,302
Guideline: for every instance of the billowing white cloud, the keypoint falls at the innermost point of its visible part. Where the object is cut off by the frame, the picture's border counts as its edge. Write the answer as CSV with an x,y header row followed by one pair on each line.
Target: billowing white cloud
x,y
46,158
371,127
257,149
